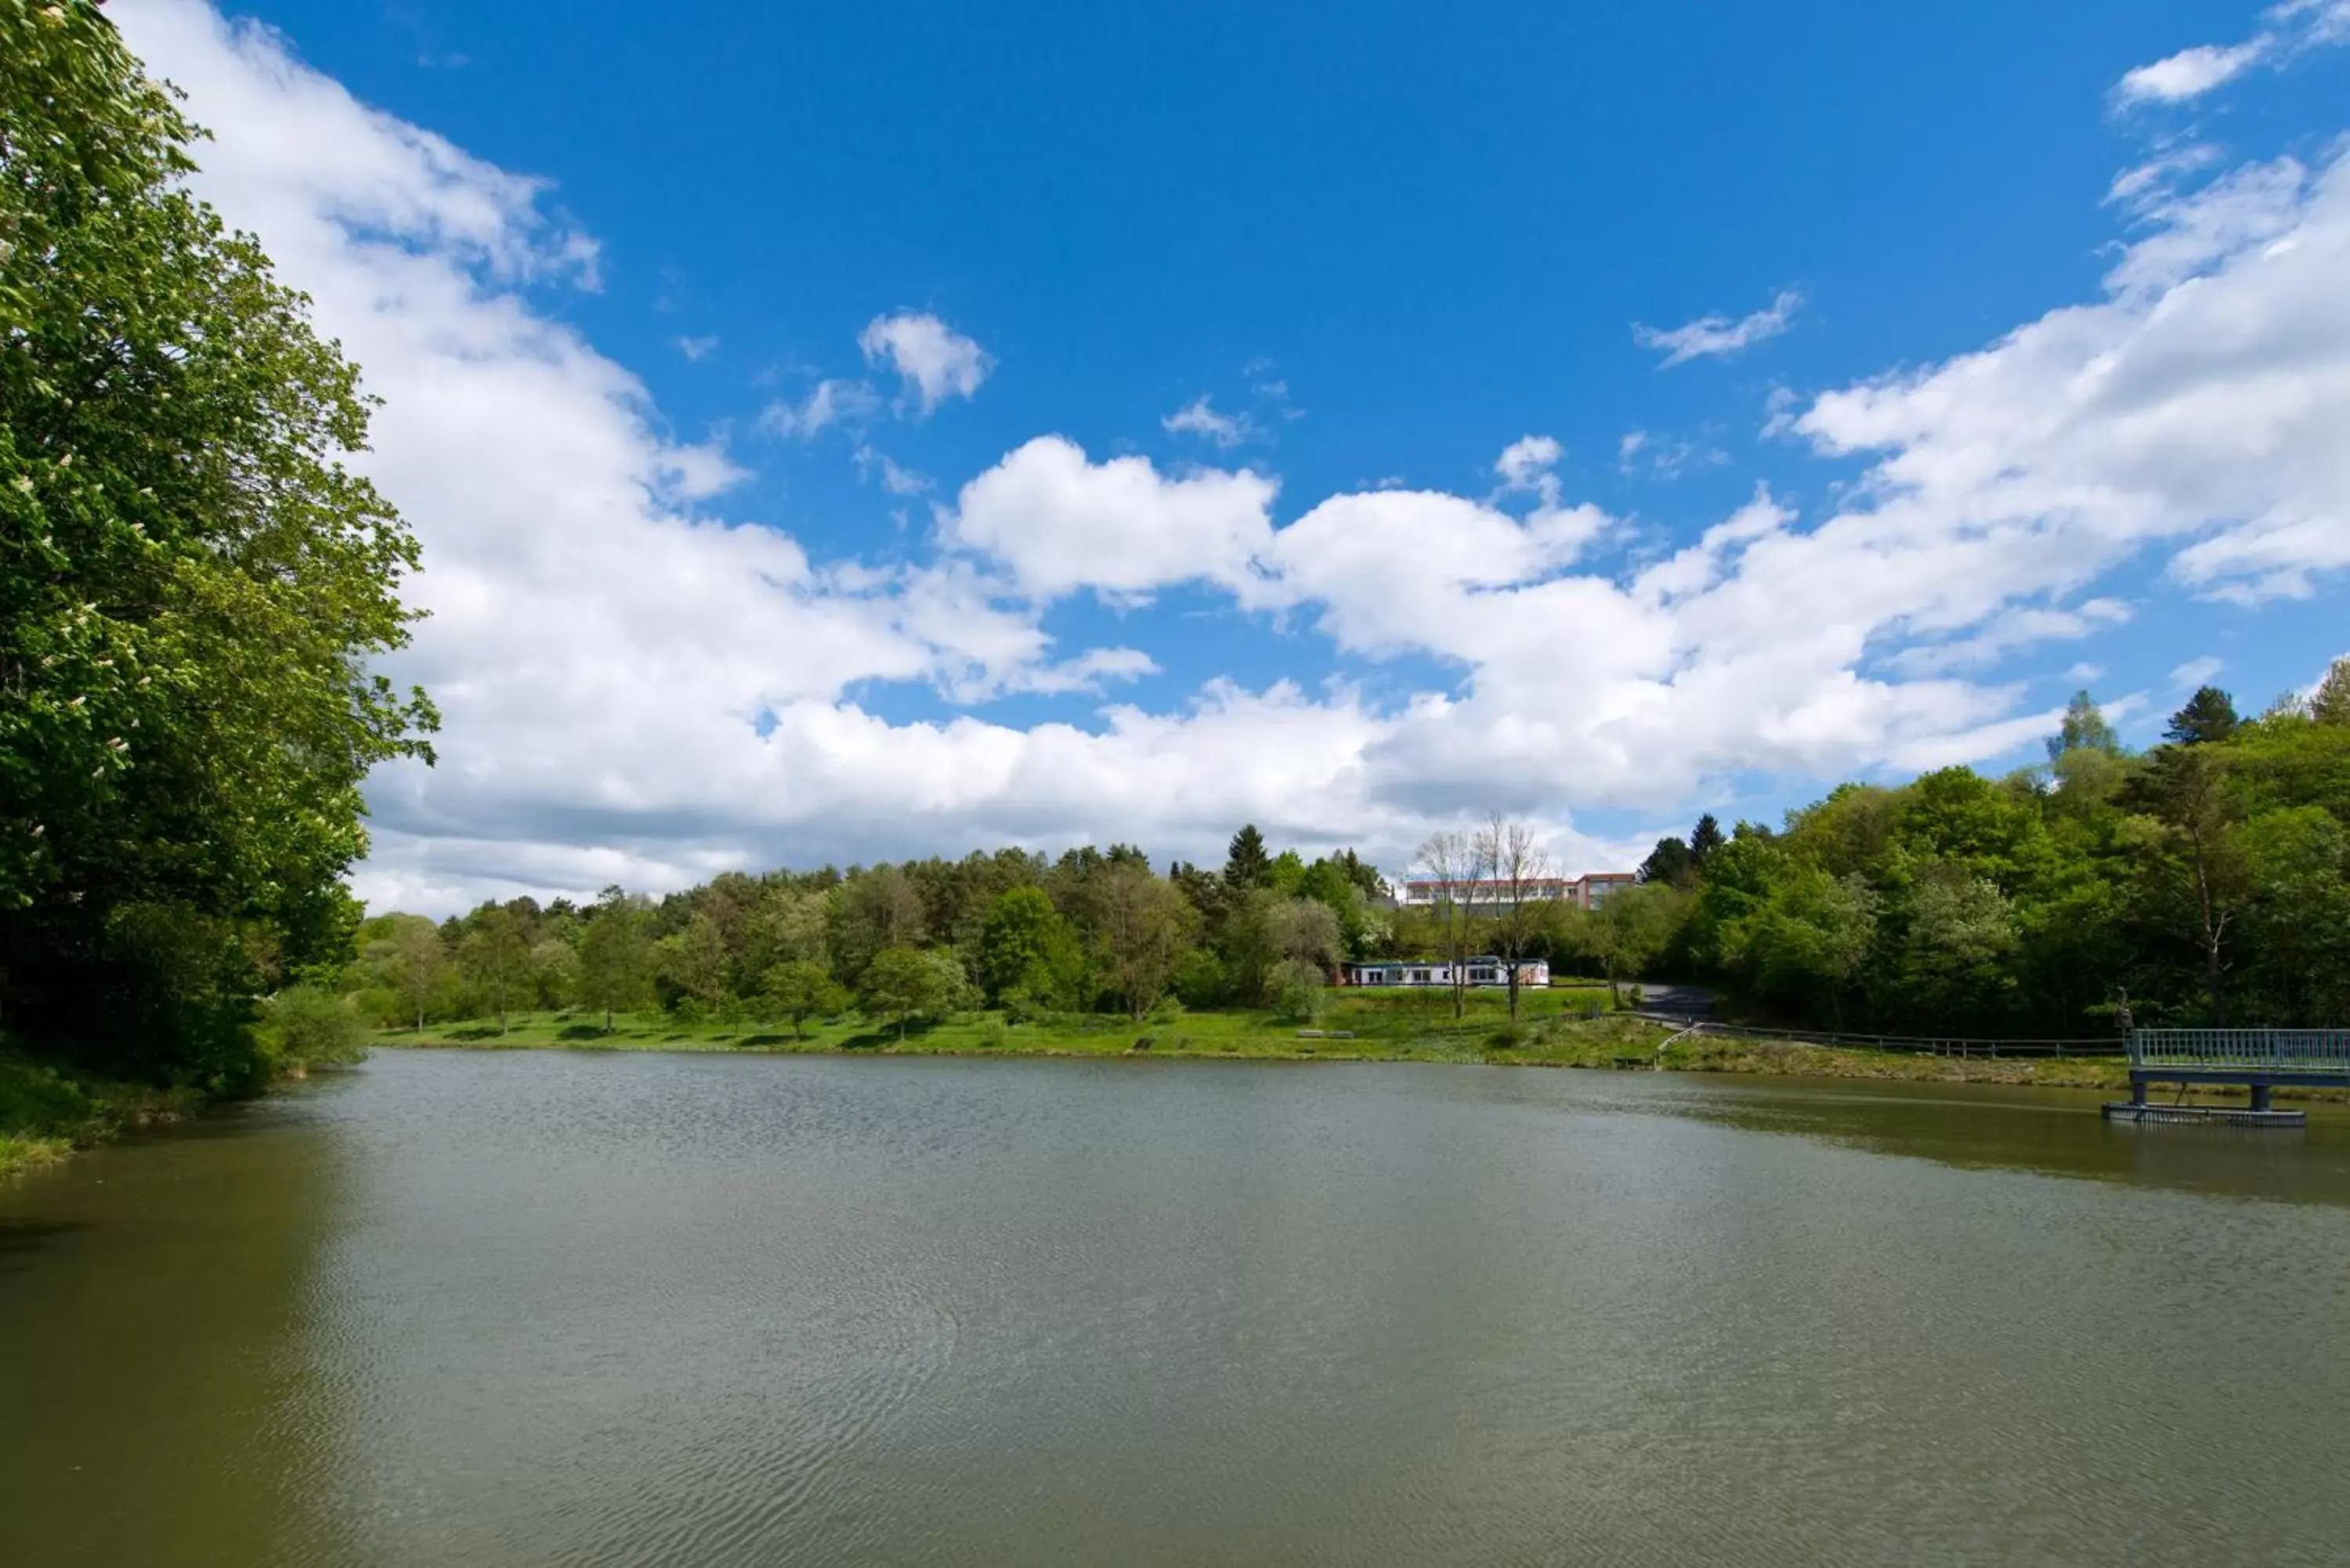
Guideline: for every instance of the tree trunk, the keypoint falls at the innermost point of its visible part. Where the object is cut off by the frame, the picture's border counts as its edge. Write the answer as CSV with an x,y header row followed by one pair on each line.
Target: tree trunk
x,y
608,1019
2211,979
2215,931
1513,993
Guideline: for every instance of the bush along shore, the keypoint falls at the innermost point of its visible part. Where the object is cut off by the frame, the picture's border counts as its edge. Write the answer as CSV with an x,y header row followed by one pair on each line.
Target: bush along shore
x,y
1561,1028
48,1112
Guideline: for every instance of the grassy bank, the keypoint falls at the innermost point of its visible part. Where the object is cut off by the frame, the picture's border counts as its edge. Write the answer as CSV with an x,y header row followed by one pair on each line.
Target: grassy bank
x,y
1555,1032
47,1112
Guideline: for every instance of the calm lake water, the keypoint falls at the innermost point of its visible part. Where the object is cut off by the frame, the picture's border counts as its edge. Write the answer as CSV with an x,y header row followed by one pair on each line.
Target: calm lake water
x,y
538,1308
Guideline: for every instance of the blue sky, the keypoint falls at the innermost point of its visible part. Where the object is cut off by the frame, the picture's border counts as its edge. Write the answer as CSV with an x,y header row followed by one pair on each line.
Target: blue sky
x,y
1383,248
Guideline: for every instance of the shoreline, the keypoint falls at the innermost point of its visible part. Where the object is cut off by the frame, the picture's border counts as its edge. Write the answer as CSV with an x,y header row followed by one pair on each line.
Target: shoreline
x,y
1616,1043
49,1114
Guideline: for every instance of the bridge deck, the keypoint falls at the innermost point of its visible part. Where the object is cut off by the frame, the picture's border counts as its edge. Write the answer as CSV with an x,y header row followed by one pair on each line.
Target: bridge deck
x,y
2259,1059
2238,1055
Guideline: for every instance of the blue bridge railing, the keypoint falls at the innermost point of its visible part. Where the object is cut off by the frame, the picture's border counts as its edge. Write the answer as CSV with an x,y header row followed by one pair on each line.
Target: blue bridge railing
x,y
2253,1050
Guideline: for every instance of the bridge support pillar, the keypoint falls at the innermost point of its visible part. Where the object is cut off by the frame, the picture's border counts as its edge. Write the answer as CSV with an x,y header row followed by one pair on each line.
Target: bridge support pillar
x,y
2137,1088
2260,1097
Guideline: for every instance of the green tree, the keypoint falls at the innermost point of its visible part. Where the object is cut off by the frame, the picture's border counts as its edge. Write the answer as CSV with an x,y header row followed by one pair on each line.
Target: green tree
x,y
2083,725
1246,864
800,989
2297,918
904,984
419,966
310,1026
2209,715
695,961
192,584
496,956
1960,929
879,908
1146,929
1299,990
2330,704
1633,927
788,923
1305,930
554,973
1812,933
1029,947
1704,839
2193,864
1334,884
1670,862
616,956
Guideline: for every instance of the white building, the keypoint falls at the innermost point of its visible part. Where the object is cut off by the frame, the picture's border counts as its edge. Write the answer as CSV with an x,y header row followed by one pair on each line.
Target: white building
x,y
1587,892
1413,972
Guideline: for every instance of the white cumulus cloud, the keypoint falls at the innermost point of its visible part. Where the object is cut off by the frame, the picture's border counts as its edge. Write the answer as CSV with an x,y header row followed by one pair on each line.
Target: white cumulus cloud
x,y
933,361
640,687
1061,522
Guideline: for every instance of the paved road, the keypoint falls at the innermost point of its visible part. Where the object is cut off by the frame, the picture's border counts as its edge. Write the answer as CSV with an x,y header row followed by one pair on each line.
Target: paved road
x,y
1686,1001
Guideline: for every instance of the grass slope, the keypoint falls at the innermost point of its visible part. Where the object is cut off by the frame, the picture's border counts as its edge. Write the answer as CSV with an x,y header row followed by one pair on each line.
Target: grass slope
x,y
1556,1030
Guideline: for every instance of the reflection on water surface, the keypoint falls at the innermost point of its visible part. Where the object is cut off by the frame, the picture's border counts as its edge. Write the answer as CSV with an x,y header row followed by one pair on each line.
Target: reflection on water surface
x,y
533,1308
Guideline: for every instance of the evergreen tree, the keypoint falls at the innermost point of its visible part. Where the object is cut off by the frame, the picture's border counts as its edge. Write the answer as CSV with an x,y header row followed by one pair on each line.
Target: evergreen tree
x,y
2209,715
1246,864
1670,862
1704,839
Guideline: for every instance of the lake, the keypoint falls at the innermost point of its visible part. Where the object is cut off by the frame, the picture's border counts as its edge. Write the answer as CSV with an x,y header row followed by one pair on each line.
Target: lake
x,y
524,1308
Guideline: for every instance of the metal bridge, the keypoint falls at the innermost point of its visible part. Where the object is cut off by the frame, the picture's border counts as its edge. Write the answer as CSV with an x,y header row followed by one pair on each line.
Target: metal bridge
x,y
2260,1059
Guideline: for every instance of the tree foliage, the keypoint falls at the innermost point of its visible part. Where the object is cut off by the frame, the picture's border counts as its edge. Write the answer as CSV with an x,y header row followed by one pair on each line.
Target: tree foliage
x,y
192,585
802,989
2209,715
2206,878
901,984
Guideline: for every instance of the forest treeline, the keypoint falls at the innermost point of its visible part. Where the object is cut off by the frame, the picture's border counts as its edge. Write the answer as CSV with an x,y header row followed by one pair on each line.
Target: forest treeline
x,y
193,590
2205,881
1092,929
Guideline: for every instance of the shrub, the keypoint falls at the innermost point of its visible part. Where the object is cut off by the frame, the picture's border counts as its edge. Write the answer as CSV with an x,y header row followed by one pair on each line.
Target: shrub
x,y
1199,979
1299,993
308,1026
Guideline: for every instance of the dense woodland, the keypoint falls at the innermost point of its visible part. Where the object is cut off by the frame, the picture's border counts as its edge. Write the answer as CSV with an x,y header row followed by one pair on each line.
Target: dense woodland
x,y
2207,880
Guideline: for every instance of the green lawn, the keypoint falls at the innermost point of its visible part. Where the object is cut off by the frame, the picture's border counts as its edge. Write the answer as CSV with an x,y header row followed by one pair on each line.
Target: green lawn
x,y
1555,1030
1384,1026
